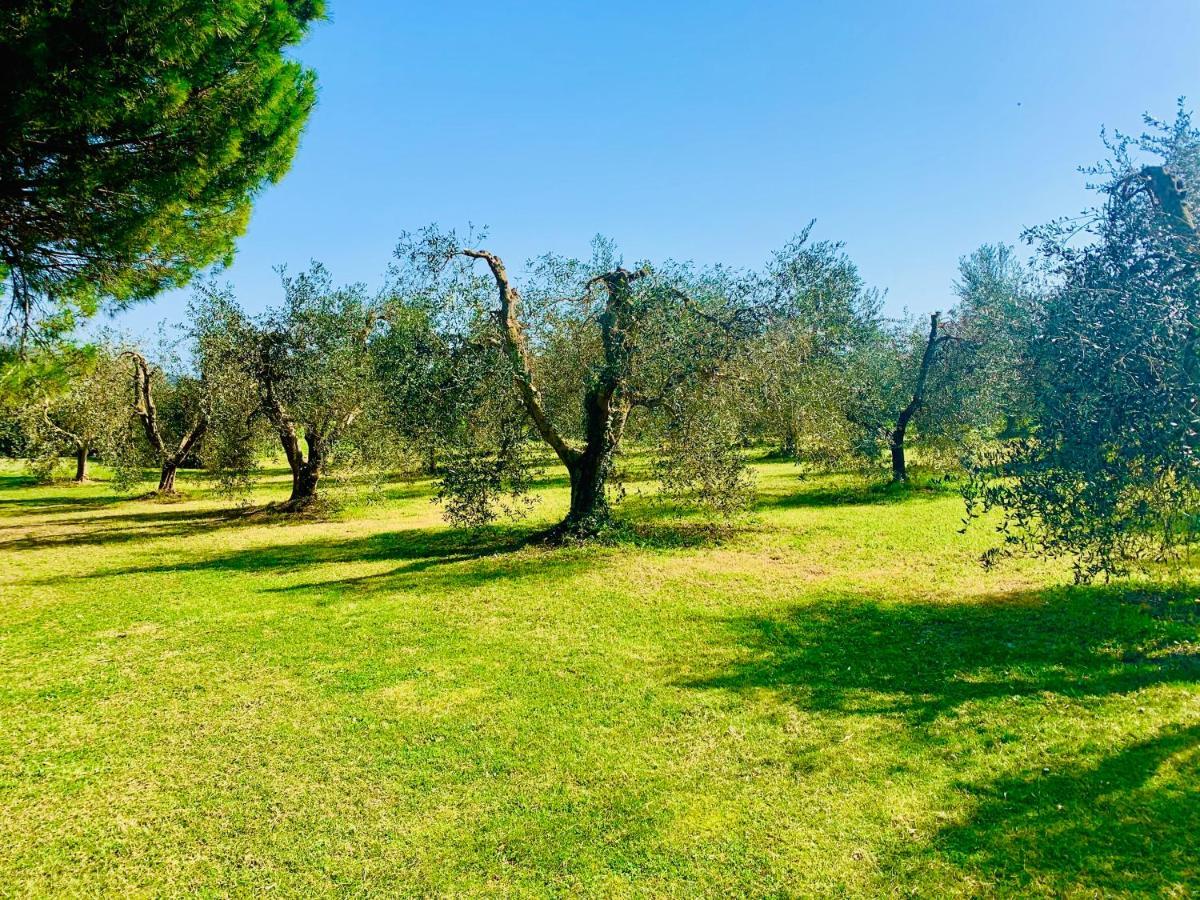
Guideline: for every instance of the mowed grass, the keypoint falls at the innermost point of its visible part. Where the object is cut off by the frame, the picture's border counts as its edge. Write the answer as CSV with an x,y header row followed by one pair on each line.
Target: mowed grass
x,y
833,700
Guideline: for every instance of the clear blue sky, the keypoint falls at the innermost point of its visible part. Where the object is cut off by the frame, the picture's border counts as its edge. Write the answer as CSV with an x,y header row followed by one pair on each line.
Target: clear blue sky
x,y
710,131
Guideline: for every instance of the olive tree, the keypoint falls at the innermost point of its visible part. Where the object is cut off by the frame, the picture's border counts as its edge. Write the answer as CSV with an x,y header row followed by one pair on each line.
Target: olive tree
x,y
818,310
584,345
901,376
84,412
237,436
173,410
999,311
305,368
1111,469
961,379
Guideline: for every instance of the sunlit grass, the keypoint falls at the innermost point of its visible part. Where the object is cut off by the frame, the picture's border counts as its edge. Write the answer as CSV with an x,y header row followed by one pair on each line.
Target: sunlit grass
x,y
832,698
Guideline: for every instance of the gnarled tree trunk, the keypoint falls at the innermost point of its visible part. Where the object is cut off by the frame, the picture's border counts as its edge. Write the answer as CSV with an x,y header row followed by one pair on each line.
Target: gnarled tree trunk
x,y
306,470
605,410
590,469
896,445
589,504
304,484
147,412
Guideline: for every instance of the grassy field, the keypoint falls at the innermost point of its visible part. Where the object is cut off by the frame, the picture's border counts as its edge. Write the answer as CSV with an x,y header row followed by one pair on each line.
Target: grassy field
x,y
834,700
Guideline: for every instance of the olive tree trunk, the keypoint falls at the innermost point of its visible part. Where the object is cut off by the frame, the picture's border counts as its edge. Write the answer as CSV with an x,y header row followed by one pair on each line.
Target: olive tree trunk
x,y
896,444
306,470
81,463
896,437
166,480
589,509
305,478
590,468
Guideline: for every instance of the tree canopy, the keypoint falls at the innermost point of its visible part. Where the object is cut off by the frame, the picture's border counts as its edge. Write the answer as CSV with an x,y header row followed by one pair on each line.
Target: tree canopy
x,y
133,143
133,140
583,344
1111,470
83,409
305,369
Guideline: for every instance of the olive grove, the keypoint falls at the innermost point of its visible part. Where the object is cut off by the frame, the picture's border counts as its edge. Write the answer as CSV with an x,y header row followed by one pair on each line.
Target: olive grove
x,y
1065,388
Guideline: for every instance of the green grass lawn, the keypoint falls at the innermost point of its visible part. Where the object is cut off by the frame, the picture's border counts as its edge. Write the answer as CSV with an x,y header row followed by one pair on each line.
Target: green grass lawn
x,y
834,700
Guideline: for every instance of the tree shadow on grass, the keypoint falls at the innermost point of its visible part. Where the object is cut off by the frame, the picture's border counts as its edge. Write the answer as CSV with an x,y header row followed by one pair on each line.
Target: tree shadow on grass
x,y
648,528
441,558
147,518
418,550
853,493
67,490
26,505
666,531
142,525
921,660
1125,825
1107,823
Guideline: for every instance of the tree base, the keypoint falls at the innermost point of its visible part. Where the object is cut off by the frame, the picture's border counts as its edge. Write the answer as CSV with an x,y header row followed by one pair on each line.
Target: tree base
x,y
576,530
295,504
163,496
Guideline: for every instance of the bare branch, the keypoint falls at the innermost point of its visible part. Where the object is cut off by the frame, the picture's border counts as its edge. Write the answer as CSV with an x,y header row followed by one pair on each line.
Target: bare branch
x,y
517,350
74,439
143,401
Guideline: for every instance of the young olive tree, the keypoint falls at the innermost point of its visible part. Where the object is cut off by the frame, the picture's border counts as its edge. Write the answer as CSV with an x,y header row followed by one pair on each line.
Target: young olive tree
x,y
584,345
903,376
238,436
308,365
960,380
87,413
998,315
819,312
1111,469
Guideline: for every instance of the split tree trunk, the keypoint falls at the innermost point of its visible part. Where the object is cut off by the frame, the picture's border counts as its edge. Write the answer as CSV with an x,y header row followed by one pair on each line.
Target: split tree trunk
x,y
171,463
605,411
306,472
147,412
166,481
